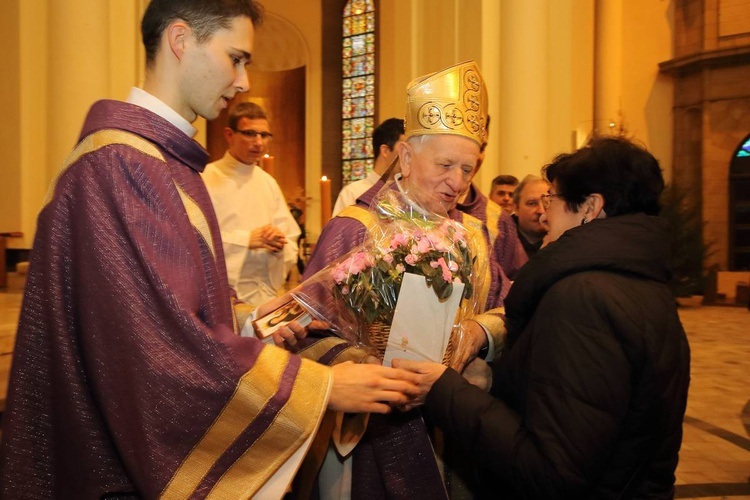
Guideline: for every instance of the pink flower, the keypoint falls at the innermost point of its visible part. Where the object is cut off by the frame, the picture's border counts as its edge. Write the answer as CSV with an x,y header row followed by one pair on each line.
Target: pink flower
x,y
439,241
411,259
398,240
388,258
423,245
400,268
345,290
359,261
340,273
447,276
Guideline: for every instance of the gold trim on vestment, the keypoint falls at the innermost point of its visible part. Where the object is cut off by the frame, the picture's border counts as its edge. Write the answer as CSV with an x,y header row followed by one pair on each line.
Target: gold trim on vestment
x,y
108,137
361,215
98,140
496,326
324,345
480,251
242,311
291,426
197,218
493,211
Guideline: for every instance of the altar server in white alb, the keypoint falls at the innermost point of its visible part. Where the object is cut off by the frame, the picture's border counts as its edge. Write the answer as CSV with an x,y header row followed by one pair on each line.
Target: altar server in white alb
x,y
258,231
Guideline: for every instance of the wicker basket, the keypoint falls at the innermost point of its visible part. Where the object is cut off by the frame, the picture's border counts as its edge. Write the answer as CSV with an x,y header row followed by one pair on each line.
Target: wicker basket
x,y
376,335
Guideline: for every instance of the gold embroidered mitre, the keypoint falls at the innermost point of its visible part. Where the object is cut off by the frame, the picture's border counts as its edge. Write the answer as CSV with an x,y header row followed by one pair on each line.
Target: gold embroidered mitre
x,y
452,101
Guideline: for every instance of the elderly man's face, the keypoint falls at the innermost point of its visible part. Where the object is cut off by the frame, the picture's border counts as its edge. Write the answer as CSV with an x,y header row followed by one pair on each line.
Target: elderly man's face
x,y
529,208
439,165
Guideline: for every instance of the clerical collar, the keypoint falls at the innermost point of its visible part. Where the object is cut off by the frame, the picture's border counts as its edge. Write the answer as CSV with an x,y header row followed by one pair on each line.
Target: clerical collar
x,y
141,98
230,165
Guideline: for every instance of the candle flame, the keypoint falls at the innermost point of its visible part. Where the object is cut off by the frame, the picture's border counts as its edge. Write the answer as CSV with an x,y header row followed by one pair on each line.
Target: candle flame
x,y
324,178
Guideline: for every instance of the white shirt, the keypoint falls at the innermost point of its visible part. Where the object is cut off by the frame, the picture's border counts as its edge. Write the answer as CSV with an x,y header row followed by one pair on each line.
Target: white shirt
x,y
141,98
349,193
245,198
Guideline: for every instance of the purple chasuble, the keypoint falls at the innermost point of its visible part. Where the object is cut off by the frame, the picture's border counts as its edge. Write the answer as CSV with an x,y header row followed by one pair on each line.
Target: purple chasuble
x,y
127,371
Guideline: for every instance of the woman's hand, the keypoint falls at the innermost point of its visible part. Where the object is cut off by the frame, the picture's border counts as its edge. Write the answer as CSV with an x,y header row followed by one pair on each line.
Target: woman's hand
x,y
427,373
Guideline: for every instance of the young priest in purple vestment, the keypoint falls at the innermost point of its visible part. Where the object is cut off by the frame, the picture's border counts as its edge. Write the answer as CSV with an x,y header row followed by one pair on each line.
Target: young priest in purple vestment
x,y
129,376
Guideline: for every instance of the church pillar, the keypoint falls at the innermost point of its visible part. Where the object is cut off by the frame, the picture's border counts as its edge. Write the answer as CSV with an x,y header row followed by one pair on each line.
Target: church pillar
x,y
523,86
78,58
608,117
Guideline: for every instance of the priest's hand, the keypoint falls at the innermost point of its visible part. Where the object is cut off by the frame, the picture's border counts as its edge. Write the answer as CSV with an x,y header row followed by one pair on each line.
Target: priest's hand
x,y
269,237
370,388
287,335
427,373
471,339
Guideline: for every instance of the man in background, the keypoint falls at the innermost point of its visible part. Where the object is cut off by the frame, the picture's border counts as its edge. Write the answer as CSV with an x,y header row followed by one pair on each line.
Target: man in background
x,y
384,140
528,208
258,231
502,190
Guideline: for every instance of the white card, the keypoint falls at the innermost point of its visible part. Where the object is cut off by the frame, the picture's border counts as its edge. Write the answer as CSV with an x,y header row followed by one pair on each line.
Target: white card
x,y
421,326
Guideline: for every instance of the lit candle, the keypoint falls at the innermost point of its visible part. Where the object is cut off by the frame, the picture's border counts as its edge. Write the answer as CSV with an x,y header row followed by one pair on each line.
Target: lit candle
x,y
325,200
267,164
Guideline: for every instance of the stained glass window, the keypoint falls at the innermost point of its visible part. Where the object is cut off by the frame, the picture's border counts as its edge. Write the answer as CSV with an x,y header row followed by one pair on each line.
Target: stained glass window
x,y
744,150
358,91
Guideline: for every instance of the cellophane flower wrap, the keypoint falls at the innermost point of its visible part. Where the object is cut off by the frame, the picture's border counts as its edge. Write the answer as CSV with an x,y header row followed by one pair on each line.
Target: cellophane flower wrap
x,y
362,289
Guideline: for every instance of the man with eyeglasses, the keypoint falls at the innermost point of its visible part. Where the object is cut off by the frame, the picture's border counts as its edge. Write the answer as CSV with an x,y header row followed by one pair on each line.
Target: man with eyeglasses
x,y
258,231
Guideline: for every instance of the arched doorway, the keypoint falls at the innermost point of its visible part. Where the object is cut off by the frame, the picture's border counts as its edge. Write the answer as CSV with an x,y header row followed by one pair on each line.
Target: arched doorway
x,y
277,83
739,208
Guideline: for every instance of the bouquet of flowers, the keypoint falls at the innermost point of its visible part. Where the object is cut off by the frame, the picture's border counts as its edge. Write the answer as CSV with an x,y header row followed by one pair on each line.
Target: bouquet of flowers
x,y
405,289
369,280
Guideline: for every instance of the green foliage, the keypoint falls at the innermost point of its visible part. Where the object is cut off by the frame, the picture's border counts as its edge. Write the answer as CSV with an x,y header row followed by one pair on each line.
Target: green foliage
x,y
688,250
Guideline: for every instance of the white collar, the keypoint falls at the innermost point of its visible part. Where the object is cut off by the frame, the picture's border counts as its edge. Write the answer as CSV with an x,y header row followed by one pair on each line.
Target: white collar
x,y
141,98
230,165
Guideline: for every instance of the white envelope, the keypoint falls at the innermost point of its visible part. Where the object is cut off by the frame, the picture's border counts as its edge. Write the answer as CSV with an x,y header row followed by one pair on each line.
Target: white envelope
x,y
422,325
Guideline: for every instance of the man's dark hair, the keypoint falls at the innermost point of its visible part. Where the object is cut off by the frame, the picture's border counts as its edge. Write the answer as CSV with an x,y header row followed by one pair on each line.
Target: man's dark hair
x,y
248,110
387,133
204,17
509,180
625,174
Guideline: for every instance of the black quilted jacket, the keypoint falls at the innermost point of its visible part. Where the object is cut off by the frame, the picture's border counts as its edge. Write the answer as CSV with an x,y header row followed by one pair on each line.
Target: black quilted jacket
x,y
589,394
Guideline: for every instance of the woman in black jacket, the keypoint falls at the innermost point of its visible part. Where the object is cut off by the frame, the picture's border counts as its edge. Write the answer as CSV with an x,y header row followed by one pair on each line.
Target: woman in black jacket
x,y
588,397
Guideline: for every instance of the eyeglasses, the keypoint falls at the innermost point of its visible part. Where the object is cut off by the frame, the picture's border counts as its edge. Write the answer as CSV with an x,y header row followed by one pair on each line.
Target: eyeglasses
x,y
252,134
547,199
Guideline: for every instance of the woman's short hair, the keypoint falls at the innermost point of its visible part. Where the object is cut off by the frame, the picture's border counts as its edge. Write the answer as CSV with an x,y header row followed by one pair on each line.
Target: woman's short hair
x,y
625,174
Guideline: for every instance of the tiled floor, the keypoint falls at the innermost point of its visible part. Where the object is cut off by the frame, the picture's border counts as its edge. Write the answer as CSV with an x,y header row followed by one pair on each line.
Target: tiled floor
x,y
715,456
